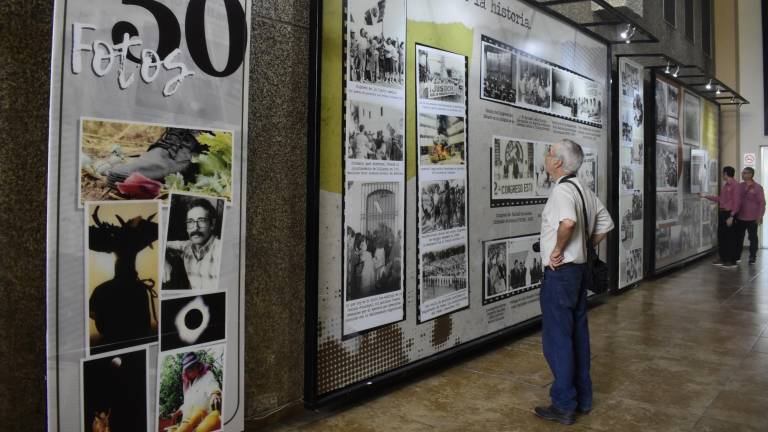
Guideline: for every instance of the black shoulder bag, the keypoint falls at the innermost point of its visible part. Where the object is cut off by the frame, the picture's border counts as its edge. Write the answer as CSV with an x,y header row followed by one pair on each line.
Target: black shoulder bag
x,y
598,276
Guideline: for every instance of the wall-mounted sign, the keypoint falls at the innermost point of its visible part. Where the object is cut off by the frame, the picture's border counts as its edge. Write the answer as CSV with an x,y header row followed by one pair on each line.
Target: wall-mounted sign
x,y
750,159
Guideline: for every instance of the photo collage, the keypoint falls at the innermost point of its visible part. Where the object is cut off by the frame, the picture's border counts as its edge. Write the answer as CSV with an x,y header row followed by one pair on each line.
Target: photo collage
x,y
374,164
631,179
155,200
512,266
441,107
514,77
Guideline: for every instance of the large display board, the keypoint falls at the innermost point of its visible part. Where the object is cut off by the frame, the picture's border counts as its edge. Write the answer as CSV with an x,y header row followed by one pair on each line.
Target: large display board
x,y
427,236
146,213
687,163
631,129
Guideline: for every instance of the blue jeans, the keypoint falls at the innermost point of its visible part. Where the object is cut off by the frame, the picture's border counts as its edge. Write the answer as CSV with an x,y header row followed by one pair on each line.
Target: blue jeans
x,y
565,336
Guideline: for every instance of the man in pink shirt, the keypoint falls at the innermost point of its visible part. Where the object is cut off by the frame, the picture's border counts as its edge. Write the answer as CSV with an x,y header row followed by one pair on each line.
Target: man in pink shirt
x,y
729,202
750,213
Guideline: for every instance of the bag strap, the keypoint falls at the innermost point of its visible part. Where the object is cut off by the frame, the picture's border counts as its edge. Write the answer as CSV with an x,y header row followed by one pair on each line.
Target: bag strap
x,y
584,212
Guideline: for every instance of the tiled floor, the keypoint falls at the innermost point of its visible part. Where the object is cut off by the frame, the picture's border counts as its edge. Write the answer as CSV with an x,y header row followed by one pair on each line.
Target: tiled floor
x,y
687,352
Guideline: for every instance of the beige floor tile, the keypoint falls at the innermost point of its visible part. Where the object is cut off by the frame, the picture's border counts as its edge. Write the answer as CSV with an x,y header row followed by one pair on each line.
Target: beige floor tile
x,y
740,407
708,424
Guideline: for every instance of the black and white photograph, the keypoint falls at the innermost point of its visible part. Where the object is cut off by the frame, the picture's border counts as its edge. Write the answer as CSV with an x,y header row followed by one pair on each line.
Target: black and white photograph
x,y
627,128
691,237
441,140
663,242
441,75
699,171
193,246
496,268
114,393
444,272
544,182
499,74
708,235
676,239
534,85
588,172
691,120
512,168
374,132
627,229
373,239
673,129
628,183
638,147
192,320
714,173
706,212
443,205
638,110
673,100
589,101
637,205
524,265
630,80
633,265
661,109
122,274
376,42
667,207
518,271
667,169
565,100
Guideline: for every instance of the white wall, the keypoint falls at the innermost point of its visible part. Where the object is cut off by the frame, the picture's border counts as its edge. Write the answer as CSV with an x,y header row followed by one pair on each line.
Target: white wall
x,y
751,82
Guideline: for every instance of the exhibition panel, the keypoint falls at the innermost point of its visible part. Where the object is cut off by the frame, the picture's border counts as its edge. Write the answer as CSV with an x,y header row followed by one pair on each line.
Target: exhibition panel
x,y
146,215
687,155
433,118
631,191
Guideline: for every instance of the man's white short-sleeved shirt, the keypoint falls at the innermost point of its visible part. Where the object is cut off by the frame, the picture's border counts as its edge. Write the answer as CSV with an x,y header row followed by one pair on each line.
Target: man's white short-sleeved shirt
x,y
564,203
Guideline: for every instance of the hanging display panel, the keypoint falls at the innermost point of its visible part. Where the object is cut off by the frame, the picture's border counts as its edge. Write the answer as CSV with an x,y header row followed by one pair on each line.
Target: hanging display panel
x,y
146,211
485,89
631,106
687,154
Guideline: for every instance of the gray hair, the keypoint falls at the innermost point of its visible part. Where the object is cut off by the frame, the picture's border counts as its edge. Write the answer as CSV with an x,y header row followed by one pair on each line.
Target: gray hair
x,y
571,154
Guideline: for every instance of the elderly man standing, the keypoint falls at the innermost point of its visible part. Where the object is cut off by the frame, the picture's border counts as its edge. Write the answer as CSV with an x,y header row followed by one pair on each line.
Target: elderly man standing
x,y
563,295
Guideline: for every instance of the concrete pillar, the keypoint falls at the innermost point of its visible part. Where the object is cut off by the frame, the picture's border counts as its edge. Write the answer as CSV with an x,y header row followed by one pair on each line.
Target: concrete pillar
x,y
727,69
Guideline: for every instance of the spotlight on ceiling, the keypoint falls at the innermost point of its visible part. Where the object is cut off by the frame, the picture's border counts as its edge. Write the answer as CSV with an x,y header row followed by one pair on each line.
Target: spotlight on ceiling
x,y
666,70
717,92
625,33
709,85
677,71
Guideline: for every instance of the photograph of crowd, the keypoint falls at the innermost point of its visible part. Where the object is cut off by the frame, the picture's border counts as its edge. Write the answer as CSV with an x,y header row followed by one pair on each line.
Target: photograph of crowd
x,y
376,42
441,140
661,109
512,160
666,207
667,169
373,239
575,96
441,75
442,205
637,205
673,129
630,80
122,274
496,268
691,119
637,150
534,86
443,272
638,110
633,265
374,131
673,102
499,74
627,179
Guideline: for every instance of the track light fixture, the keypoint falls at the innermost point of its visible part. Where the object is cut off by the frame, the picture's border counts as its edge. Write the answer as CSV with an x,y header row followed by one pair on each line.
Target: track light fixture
x,y
733,99
677,71
717,92
709,84
666,70
625,33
